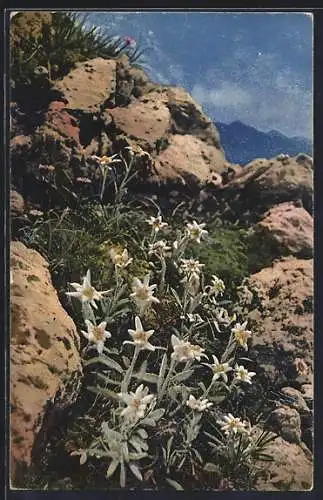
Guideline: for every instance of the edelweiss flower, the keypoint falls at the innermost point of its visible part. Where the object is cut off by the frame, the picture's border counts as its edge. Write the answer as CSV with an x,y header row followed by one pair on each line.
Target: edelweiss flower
x,y
143,293
243,374
184,351
217,286
136,402
241,335
159,248
104,161
191,267
219,369
120,258
196,231
198,404
86,292
231,424
140,337
156,223
96,334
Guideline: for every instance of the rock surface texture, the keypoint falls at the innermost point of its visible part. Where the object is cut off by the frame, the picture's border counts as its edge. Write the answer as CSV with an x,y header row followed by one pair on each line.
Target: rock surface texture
x,y
44,355
282,321
291,470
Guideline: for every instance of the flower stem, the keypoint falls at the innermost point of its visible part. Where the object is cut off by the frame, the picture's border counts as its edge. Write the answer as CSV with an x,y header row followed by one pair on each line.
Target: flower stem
x,y
128,374
166,381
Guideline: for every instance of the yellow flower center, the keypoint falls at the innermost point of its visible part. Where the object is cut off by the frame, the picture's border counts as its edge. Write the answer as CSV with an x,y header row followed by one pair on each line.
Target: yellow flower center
x,y
136,403
195,233
89,292
141,336
219,368
98,333
142,293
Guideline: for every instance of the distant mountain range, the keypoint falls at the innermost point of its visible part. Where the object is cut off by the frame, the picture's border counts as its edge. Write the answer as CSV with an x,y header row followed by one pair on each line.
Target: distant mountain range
x,y
243,143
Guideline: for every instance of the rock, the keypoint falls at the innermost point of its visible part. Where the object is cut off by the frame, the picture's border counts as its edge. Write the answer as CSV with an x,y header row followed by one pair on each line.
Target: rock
x,y
291,469
266,183
188,117
286,422
17,204
297,400
288,228
90,85
44,354
188,159
282,320
61,121
147,120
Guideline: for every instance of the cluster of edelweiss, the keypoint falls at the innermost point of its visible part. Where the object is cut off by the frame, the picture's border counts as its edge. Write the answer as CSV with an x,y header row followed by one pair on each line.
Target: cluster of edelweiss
x,y
124,438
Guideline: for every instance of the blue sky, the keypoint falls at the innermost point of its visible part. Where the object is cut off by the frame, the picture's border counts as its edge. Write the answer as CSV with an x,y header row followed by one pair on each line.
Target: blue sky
x,y
253,67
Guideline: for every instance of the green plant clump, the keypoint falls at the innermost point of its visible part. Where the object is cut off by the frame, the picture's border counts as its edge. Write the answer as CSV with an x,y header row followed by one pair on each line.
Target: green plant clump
x,y
165,361
61,40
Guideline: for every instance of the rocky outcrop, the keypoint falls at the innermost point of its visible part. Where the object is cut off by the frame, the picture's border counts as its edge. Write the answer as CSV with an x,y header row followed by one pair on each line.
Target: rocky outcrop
x,y
45,365
288,228
95,109
291,469
281,318
262,184
90,86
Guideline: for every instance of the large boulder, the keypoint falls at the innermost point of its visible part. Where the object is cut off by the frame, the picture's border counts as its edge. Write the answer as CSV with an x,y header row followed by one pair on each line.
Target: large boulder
x,y
291,469
147,119
289,229
280,315
262,184
45,365
188,159
90,85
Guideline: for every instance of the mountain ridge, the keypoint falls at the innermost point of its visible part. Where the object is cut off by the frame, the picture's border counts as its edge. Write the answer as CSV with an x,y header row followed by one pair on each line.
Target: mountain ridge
x,y
243,143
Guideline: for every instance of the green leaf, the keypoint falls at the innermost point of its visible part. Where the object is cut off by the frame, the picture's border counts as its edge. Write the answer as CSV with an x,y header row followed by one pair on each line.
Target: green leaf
x,y
148,421
105,361
162,371
112,468
104,392
107,380
135,470
142,433
209,467
175,484
156,414
122,475
147,377
180,377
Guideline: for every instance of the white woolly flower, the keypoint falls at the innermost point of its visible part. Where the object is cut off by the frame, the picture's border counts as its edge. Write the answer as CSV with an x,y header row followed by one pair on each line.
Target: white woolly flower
x,y
143,293
156,223
86,292
104,161
243,374
140,337
120,258
136,402
231,424
196,231
241,335
159,248
191,267
219,369
198,404
96,334
217,286
184,351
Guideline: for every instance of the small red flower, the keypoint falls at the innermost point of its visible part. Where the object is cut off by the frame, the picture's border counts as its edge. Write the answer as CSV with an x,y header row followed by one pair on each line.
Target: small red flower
x,y
129,40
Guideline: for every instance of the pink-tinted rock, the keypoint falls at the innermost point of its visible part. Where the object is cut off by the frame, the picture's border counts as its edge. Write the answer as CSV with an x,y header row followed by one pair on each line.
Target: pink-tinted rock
x,y
289,227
